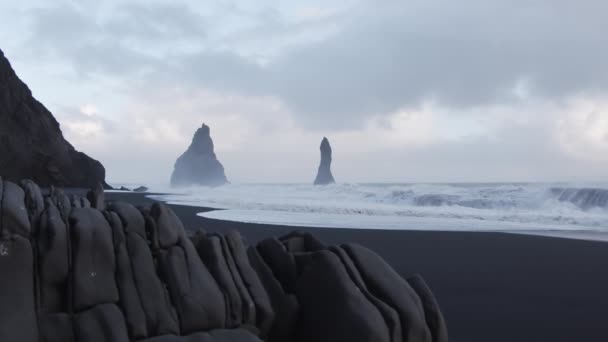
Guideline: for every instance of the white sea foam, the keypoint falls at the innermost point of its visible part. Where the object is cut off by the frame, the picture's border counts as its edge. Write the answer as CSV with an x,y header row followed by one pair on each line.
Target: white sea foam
x,y
471,207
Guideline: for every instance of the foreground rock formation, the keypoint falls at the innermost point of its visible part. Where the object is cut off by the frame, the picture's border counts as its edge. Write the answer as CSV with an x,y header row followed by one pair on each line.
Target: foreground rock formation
x,y
324,175
87,270
31,142
199,164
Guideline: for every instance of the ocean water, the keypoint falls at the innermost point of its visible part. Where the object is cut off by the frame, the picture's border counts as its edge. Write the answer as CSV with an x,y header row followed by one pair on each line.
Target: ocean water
x,y
514,207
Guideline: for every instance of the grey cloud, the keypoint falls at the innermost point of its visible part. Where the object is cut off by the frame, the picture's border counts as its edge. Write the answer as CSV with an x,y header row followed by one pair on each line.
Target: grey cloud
x,y
386,55
71,35
404,53
517,152
73,114
130,39
151,23
395,57
225,71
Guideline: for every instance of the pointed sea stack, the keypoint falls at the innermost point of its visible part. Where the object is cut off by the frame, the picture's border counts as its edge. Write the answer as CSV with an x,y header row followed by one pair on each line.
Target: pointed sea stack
x,y
324,175
199,165
31,143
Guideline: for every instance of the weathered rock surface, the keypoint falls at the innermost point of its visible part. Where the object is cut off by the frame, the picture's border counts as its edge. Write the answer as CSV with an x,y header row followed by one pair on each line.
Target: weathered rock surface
x,y
113,272
31,143
199,164
324,175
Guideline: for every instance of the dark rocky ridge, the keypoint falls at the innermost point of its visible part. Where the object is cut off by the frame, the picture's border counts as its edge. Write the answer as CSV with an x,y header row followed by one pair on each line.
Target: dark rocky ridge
x,y
199,164
324,175
31,143
75,270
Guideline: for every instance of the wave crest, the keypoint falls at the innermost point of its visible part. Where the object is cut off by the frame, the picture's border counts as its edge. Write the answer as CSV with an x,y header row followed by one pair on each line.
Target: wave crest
x,y
583,198
462,205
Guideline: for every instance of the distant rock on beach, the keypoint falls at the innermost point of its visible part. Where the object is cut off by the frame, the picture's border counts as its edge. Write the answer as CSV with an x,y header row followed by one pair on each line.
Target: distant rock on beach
x,y
324,175
199,164
31,143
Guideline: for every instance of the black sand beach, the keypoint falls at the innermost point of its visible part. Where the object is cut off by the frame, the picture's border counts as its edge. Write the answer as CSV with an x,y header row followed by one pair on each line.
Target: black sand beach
x,y
492,287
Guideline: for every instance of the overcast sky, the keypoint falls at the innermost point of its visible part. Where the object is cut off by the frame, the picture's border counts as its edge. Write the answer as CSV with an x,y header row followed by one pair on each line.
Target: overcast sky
x,y
406,91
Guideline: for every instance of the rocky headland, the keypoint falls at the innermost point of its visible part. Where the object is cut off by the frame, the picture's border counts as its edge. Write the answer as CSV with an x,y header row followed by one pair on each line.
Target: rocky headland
x,y
31,142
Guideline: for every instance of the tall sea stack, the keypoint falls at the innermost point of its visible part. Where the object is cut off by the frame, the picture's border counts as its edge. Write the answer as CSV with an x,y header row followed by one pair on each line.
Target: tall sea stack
x,y
199,164
324,175
31,143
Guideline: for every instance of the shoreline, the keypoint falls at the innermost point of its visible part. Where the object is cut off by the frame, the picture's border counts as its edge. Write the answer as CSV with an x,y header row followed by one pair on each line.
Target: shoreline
x,y
582,234
491,286
585,235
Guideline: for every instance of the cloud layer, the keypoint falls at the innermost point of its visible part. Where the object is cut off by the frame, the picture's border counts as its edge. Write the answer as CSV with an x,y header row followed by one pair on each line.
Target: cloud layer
x,y
488,90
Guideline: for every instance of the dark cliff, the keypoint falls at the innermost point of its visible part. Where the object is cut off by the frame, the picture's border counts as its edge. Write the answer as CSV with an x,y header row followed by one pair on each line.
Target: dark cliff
x,y
199,164
31,143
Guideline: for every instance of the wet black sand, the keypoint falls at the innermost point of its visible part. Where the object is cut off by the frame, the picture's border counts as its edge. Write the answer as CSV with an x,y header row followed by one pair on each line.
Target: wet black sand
x,y
492,287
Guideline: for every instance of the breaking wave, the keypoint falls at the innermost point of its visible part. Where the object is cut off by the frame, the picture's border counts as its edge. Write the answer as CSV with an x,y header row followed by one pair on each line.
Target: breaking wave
x,y
507,206
585,198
